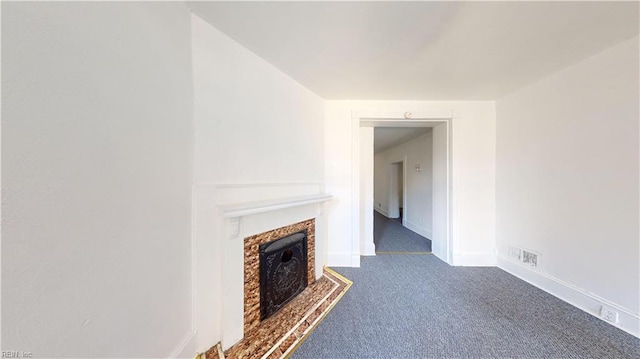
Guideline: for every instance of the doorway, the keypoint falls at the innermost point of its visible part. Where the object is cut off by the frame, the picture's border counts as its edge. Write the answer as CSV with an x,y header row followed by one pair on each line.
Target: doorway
x,y
442,180
397,191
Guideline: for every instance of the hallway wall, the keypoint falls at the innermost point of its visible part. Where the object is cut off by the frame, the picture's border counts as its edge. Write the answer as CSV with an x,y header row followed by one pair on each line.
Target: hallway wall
x,y
418,209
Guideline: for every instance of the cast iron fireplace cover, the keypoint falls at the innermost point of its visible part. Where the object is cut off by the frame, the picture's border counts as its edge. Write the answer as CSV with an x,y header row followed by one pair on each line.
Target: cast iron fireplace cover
x,y
283,272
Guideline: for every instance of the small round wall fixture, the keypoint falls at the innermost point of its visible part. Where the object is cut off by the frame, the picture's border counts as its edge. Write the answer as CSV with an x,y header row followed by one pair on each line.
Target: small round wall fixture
x,y
408,114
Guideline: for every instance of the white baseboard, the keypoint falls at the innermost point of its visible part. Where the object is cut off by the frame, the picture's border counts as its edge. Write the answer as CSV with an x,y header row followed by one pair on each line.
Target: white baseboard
x,y
369,250
355,261
474,259
382,212
343,260
187,346
579,298
418,229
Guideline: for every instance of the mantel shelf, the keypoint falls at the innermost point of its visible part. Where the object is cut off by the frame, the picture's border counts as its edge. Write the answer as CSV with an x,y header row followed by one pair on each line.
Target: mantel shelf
x,y
246,208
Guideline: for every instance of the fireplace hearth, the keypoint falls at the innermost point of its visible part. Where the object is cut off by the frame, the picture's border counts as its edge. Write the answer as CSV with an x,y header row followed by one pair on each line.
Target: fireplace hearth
x,y
283,272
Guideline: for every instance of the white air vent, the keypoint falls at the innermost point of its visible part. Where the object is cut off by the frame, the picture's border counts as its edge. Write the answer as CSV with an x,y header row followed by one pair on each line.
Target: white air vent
x,y
523,256
529,258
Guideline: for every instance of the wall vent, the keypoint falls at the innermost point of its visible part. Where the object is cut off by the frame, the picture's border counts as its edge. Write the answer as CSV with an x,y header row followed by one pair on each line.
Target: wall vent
x,y
525,257
529,258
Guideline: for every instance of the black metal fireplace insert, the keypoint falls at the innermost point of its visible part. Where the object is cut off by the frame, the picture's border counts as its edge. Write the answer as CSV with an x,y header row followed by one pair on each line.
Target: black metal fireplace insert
x,y
283,272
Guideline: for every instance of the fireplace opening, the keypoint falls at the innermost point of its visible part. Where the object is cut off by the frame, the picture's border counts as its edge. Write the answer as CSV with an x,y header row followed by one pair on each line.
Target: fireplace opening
x,y
283,272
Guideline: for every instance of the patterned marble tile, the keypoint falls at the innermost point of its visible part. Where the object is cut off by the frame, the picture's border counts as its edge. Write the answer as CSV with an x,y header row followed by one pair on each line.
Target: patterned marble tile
x,y
279,335
214,353
252,266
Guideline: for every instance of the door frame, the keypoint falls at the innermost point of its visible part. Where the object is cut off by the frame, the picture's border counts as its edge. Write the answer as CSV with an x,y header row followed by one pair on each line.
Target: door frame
x,y
397,119
403,161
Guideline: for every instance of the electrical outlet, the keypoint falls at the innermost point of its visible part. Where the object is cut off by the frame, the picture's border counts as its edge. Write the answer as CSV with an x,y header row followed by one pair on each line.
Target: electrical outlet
x,y
608,314
515,253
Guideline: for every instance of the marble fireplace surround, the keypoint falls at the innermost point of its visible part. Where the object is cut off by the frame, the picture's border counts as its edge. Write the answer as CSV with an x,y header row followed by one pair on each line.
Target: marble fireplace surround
x,y
252,265
244,222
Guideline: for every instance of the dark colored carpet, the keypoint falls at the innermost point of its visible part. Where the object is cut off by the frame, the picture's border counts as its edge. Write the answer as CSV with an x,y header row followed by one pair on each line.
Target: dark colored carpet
x,y
391,236
408,306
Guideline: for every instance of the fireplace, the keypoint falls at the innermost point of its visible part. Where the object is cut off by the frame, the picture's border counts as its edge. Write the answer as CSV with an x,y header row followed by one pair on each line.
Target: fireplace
x,y
231,221
283,272
299,238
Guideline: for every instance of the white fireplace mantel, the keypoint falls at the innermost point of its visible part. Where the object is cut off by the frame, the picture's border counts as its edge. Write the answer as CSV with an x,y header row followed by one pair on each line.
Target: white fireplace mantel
x,y
226,213
237,218
233,210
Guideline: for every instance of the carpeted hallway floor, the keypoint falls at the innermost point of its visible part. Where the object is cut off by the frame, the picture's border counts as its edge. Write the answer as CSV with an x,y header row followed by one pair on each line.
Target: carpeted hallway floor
x,y
416,306
391,236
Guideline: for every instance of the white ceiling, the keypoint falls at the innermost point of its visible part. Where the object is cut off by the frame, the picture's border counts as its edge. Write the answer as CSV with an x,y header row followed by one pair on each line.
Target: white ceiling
x,y
421,50
387,137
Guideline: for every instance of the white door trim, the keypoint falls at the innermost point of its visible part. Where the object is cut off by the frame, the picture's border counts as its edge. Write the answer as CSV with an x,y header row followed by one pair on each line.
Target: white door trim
x,y
402,160
398,119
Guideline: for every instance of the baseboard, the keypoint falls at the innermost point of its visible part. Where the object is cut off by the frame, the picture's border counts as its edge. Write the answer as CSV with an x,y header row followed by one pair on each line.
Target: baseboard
x,y
474,259
343,260
418,229
355,261
382,212
579,298
187,346
369,250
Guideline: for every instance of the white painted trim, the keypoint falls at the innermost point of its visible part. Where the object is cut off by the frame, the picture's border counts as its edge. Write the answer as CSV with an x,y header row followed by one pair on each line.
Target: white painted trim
x,y
391,190
355,260
194,264
355,188
398,119
369,250
416,228
340,260
578,297
450,192
474,259
365,219
247,208
186,348
260,184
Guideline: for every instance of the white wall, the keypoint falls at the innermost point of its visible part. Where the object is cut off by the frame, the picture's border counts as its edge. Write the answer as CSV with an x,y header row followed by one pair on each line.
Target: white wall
x,y
417,210
473,176
567,180
259,135
96,179
253,123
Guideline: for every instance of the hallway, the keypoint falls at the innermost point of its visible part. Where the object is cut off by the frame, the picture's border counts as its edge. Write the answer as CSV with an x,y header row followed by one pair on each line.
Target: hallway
x,y
391,236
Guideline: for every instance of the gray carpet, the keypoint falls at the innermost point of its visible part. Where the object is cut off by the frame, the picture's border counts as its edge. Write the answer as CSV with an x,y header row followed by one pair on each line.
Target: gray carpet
x,y
391,236
408,306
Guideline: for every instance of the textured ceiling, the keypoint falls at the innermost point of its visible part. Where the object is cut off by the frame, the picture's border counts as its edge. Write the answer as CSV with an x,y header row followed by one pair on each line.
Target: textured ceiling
x,y
421,50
